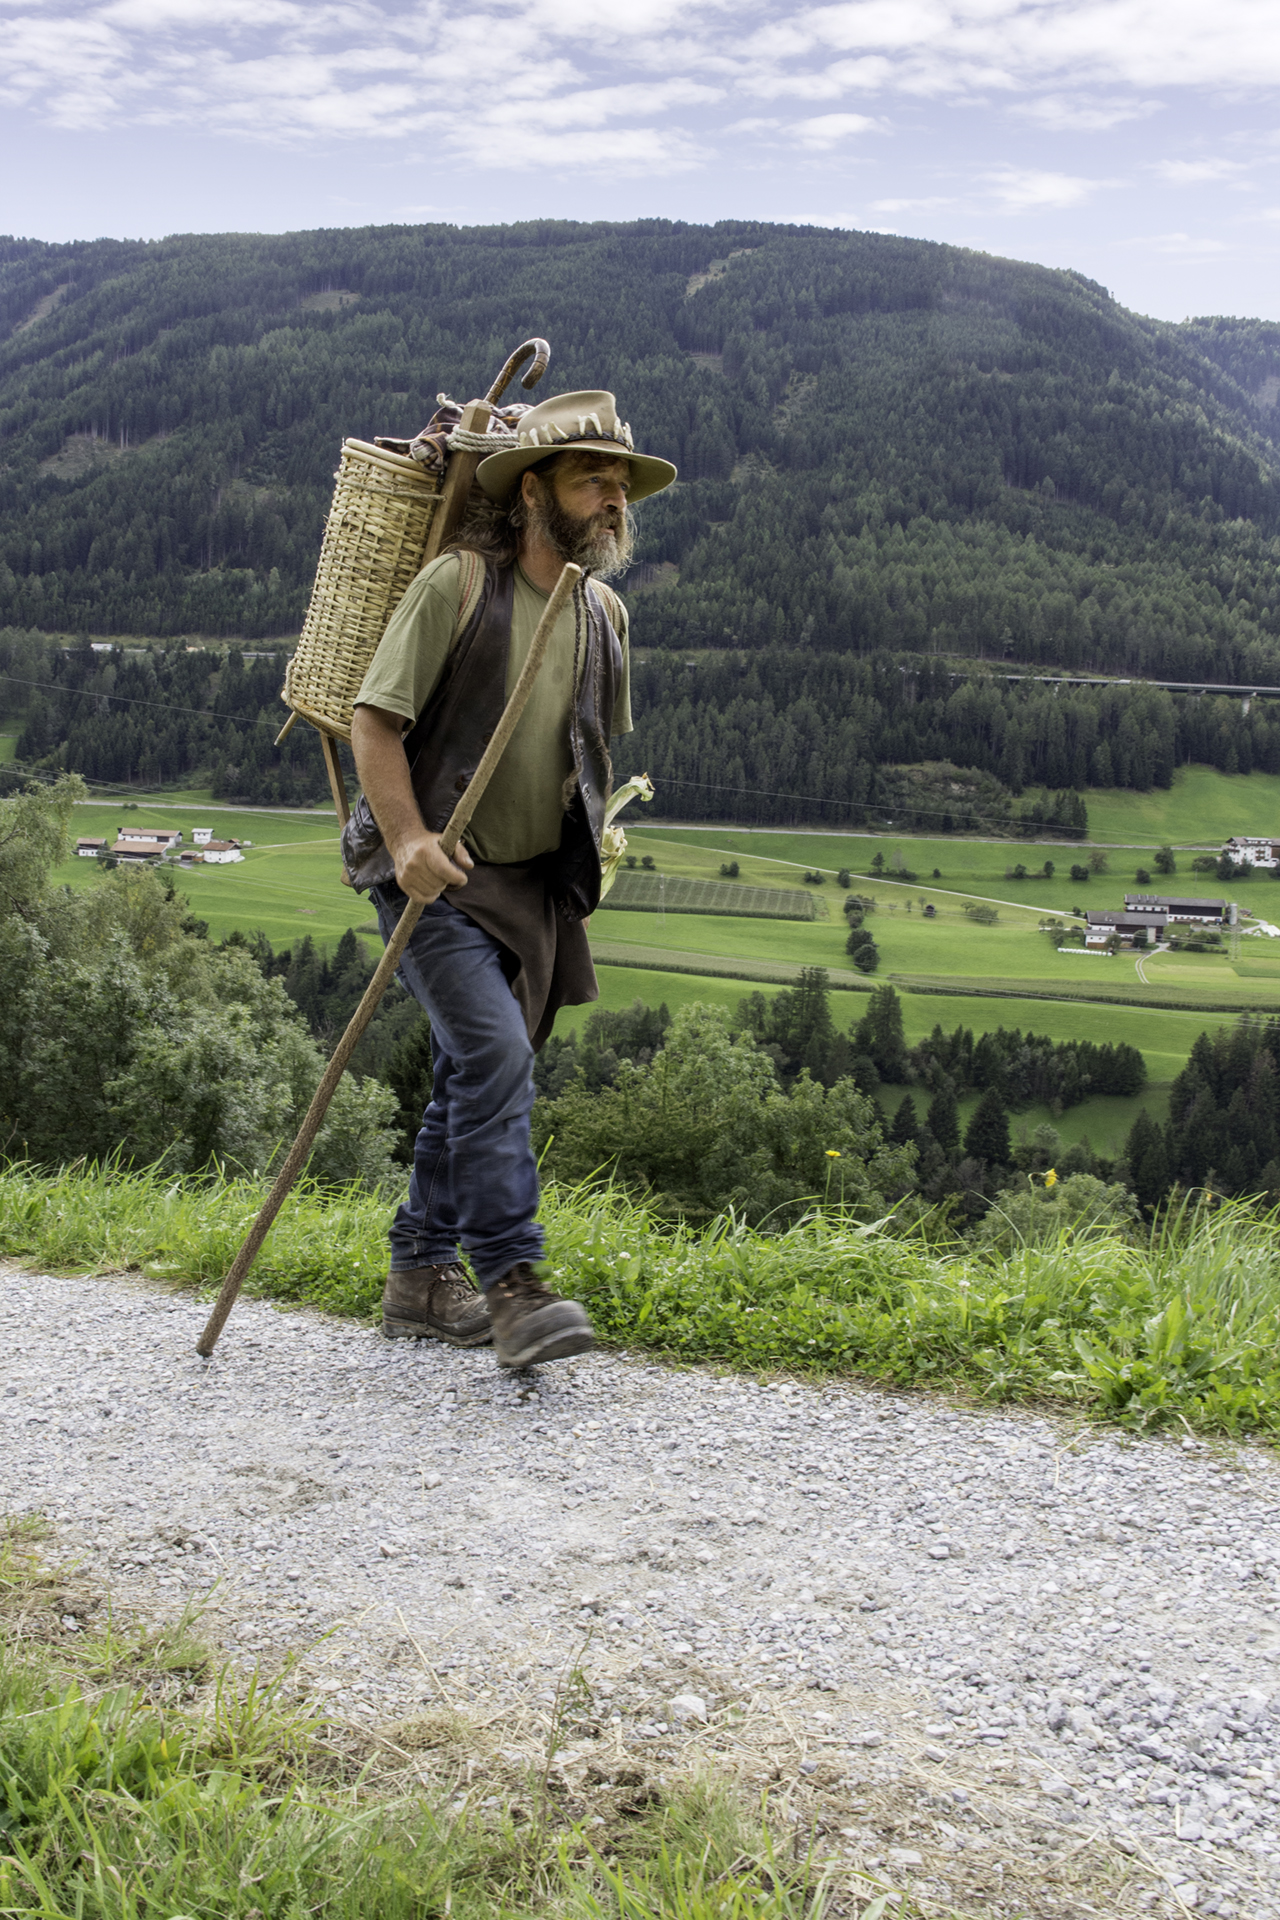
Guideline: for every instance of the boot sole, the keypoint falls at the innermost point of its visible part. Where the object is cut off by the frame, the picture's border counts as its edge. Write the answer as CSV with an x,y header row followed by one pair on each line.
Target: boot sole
x,y
419,1330
553,1346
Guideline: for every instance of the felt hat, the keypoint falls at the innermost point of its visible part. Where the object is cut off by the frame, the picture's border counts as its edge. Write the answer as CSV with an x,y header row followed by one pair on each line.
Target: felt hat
x,y
587,422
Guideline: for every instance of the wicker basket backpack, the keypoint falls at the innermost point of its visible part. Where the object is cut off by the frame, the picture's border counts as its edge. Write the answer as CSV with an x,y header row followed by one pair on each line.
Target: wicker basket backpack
x,y
396,505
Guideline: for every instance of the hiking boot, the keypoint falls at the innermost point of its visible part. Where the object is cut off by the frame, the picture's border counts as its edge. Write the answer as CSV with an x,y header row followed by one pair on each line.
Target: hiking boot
x,y
531,1323
434,1303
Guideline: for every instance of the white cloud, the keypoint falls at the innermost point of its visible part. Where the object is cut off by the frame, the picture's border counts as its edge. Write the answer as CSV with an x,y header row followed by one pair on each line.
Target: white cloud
x,y
650,77
1067,113
828,130
1025,190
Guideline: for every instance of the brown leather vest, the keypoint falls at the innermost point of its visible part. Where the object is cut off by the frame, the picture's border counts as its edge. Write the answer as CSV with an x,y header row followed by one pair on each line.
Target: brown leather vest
x,y
445,743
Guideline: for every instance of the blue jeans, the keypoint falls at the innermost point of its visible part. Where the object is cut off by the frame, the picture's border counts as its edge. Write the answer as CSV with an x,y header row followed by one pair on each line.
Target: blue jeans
x,y
475,1180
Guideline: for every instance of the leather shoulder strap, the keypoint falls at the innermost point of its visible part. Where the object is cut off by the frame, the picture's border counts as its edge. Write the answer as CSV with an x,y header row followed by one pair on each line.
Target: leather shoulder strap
x,y
470,587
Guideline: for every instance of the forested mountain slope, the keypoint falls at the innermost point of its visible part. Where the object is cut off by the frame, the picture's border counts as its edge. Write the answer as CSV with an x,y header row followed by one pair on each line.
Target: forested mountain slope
x,y
882,442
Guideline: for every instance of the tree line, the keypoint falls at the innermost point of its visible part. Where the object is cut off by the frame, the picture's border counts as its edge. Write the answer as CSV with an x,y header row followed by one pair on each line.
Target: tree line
x,y
768,738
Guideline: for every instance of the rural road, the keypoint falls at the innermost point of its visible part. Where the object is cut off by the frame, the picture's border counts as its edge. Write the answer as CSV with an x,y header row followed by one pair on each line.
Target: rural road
x,y
1010,1663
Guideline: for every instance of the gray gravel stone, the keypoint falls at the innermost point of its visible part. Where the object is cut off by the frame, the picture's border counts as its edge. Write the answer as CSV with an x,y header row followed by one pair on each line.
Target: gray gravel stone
x,y
1096,1610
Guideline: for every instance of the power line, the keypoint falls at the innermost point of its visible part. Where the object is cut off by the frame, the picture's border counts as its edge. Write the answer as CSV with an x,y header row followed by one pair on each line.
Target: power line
x,y
128,699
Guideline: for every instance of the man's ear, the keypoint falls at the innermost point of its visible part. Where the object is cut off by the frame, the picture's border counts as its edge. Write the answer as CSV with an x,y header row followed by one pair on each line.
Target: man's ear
x,y
529,487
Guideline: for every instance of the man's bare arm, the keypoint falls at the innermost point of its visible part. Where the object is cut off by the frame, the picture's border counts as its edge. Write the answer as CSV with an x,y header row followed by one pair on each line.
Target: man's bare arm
x,y
423,871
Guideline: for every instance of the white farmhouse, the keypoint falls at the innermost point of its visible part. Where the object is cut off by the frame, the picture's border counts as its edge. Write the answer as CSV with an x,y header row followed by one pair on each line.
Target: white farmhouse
x,y
151,836
221,853
1247,850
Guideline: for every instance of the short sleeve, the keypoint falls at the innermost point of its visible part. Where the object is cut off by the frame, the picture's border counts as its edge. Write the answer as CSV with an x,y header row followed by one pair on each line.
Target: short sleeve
x,y
411,654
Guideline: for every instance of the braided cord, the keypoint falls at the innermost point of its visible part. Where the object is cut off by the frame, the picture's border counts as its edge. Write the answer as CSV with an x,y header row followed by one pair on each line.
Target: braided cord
x,y
461,440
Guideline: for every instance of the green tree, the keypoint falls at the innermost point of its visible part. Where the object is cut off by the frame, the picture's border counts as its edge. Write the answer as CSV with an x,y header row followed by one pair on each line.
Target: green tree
x,y
1148,1161
943,1121
987,1135
1165,861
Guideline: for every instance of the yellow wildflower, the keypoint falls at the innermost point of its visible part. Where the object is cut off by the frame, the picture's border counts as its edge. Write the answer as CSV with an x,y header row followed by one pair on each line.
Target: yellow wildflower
x,y
833,1153
1051,1178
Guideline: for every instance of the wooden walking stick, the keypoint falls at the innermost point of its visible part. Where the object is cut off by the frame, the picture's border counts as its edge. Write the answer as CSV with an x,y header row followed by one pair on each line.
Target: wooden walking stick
x,y
458,822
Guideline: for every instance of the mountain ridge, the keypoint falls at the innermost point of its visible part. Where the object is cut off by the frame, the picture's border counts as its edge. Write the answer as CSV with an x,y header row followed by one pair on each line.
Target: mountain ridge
x,y
888,449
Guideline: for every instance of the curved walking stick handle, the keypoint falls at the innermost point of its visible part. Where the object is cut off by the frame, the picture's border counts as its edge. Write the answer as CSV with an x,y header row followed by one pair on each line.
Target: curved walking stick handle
x,y
458,822
541,360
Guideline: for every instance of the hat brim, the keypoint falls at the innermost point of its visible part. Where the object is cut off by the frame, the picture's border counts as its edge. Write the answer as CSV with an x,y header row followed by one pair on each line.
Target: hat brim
x,y
499,472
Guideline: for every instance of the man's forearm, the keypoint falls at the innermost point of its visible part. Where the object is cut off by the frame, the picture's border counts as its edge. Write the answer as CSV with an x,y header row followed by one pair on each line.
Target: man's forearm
x,y
384,775
423,870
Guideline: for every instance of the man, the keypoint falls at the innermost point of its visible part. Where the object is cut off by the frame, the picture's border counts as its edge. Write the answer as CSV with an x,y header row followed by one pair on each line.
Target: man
x,y
501,943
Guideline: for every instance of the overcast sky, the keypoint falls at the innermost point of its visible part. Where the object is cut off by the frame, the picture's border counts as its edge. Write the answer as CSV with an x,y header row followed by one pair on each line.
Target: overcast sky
x,y
1138,140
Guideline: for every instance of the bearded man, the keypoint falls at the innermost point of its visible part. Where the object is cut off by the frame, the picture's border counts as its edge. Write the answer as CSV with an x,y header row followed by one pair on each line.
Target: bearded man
x,y
502,943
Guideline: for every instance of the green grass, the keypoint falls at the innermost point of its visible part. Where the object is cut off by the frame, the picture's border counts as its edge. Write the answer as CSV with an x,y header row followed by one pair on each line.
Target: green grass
x,y
8,748
288,884
1175,1325
1202,808
138,1778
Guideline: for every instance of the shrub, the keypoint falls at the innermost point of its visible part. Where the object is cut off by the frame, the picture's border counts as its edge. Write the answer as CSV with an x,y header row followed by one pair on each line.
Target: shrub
x,y
981,911
707,1125
1032,1215
843,877
1165,862
863,951
1142,877
729,870
647,862
1079,874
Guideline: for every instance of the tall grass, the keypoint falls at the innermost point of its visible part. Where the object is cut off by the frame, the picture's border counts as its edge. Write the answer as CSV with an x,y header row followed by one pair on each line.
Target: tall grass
x,y
1181,1326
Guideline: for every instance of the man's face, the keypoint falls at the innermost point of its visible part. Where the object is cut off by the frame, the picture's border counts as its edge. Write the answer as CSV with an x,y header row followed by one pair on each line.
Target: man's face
x,y
579,507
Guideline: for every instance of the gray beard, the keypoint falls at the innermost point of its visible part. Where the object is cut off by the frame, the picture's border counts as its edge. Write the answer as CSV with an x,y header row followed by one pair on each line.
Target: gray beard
x,y
598,549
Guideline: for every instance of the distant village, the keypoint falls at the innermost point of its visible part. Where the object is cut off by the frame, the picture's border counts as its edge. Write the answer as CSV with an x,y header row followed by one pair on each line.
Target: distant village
x,y
140,846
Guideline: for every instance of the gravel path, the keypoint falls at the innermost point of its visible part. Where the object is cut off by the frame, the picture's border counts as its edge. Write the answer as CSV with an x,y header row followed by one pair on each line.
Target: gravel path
x,y
1028,1631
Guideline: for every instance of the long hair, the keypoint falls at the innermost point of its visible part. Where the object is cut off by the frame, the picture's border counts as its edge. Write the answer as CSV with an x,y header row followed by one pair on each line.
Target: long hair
x,y
493,529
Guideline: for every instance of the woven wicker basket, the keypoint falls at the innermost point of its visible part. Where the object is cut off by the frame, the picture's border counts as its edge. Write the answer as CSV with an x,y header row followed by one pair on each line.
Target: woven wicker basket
x,y
374,540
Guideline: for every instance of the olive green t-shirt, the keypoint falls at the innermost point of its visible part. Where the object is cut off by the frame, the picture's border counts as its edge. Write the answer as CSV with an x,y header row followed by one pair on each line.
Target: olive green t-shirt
x,y
521,811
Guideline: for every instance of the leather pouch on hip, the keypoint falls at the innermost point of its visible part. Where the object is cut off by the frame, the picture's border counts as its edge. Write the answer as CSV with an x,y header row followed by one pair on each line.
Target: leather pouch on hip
x,y
365,858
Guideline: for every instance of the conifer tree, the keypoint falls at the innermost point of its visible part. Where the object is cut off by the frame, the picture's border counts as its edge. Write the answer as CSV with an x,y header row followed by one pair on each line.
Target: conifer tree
x,y
987,1135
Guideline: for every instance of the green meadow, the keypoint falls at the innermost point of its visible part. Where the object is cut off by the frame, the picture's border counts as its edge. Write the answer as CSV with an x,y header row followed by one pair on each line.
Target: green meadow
x,y
947,968
1202,808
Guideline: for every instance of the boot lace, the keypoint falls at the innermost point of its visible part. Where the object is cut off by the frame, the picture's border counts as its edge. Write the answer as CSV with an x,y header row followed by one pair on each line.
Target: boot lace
x,y
522,1283
455,1287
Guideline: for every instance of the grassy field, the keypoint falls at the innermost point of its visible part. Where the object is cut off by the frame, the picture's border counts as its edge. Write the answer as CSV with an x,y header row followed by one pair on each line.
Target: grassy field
x,y
1202,808
948,968
288,884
